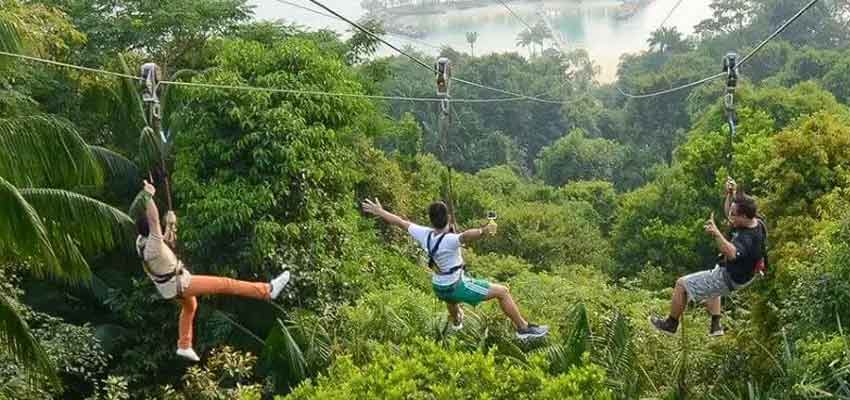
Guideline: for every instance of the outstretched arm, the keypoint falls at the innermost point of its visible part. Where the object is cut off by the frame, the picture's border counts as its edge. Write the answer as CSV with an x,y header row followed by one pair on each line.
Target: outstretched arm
x,y
376,209
471,235
151,212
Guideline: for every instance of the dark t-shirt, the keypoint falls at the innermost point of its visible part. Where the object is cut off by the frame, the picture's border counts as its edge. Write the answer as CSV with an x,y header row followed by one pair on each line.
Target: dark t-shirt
x,y
748,244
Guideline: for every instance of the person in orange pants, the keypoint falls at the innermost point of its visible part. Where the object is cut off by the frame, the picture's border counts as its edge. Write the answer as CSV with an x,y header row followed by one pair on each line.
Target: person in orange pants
x,y
173,280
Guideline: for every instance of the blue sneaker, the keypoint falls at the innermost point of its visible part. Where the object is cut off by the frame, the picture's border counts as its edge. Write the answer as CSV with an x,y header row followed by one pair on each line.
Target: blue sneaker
x,y
532,332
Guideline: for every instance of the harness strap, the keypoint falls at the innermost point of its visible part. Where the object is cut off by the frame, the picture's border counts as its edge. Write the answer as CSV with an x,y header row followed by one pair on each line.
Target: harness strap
x,y
762,264
452,270
433,250
168,276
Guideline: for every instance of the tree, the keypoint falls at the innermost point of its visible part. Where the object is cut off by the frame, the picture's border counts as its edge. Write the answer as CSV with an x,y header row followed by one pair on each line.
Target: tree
x,y
666,40
47,226
171,33
574,157
526,39
728,16
52,228
471,38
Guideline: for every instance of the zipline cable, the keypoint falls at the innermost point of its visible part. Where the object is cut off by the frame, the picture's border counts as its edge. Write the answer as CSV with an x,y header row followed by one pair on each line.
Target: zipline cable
x,y
77,67
743,60
670,14
518,18
317,12
777,32
252,88
422,63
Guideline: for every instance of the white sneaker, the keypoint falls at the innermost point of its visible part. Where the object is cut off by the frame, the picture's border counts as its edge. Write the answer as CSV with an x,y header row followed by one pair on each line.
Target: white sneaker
x,y
188,354
459,325
278,284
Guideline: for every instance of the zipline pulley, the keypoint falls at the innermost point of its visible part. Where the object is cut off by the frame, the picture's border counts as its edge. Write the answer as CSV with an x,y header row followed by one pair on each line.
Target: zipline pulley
x,y
150,76
443,71
730,66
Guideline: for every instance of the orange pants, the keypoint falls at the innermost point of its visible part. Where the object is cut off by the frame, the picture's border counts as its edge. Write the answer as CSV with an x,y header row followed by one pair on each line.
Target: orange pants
x,y
201,285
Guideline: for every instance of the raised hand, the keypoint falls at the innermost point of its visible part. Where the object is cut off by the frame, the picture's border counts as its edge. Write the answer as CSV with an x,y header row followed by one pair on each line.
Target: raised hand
x,y
371,207
151,189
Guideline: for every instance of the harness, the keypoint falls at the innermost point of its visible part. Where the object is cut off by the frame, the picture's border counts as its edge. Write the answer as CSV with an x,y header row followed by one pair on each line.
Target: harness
x,y
433,251
160,279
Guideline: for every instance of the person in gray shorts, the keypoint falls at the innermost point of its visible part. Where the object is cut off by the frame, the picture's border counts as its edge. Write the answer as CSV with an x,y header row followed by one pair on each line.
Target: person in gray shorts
x,y
741,258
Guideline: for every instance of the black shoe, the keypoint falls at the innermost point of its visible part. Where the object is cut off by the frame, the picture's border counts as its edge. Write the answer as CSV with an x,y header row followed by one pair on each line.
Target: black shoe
x,y
664,326
532,332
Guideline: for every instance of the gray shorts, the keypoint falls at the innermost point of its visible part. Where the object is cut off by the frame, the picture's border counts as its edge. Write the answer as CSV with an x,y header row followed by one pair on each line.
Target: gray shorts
x,y
704,285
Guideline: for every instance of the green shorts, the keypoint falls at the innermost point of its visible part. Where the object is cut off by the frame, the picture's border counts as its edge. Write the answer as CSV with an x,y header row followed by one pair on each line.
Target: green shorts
x,y
465,290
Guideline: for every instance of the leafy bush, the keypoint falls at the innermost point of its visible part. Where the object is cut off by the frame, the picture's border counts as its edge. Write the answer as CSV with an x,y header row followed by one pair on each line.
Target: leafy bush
x,y
574,157
425,370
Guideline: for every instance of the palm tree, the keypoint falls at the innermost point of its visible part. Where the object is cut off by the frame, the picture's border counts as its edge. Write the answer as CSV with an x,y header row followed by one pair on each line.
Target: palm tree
x,y
539,34
48,226
667,39
526,39
471,38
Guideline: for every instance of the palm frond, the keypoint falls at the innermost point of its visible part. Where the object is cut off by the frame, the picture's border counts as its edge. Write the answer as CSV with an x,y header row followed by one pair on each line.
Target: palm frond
x,y
124,175
95,227
137,207
13,102
46,151
74,267
170,99
315,342
10,40
129,92
230,321
150,149
617,354
563,356
22,235
284,359
17,340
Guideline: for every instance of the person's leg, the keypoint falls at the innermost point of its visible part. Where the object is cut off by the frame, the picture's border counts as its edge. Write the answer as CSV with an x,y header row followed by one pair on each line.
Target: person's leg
x,y
202,284
189,304
713,306
714,309
454,312
679,300
670,325
508,305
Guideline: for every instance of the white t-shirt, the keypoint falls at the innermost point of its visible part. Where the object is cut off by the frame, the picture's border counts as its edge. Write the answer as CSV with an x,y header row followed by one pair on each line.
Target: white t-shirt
x,y
447,255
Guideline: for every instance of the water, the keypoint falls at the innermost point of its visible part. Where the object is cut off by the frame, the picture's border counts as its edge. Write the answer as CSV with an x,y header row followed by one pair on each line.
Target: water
x,y
590,25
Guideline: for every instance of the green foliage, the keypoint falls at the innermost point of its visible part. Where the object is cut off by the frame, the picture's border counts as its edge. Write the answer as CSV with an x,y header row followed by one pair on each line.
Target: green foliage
x,y
809,160
546,235
292,178
19,343
420,370
599,194
44,151
283,356
563,357
573,157
226,374
499,267
834,84
661,223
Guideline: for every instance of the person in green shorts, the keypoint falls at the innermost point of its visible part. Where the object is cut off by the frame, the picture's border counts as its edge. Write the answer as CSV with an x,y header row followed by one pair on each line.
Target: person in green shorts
x,y
449,282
